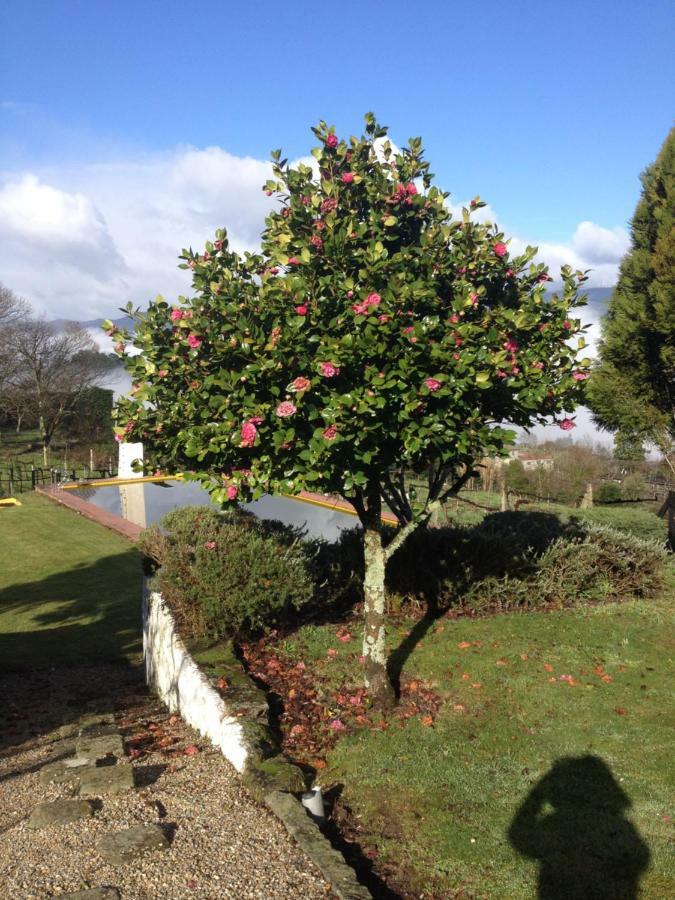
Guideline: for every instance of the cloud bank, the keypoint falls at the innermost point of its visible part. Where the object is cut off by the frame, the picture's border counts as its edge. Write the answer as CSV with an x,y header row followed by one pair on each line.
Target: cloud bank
x,y
80,242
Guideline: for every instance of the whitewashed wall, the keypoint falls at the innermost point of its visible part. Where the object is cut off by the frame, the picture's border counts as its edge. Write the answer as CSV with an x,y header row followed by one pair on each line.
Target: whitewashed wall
x,y
175,677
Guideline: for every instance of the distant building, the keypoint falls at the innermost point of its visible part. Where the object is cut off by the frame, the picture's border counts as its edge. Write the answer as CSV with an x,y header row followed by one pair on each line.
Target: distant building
x,y
531,460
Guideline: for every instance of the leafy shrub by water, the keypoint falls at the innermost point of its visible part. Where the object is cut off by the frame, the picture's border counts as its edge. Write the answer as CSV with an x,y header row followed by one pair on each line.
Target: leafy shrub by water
x,y
229,574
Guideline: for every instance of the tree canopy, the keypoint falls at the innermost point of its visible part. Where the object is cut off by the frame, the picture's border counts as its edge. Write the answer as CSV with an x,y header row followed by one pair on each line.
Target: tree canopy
x,y
632,389
372,336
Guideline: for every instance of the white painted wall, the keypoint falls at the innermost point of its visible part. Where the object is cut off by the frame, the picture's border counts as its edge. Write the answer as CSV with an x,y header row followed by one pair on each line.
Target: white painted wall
x,y
175,677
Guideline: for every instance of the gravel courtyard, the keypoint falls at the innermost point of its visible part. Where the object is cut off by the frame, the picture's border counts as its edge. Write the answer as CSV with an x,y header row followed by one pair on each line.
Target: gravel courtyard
x,y
222,844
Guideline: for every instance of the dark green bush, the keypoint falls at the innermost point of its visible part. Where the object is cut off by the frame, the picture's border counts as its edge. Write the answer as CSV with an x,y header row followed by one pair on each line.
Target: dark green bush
x,y
229,574
608,492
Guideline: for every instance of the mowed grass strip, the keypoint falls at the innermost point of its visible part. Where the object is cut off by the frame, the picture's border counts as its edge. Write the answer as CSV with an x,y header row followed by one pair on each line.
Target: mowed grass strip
x,y
70,590
550,761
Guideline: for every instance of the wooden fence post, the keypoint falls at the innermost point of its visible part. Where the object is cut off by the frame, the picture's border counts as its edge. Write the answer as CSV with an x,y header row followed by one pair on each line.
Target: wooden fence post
x,y
668,509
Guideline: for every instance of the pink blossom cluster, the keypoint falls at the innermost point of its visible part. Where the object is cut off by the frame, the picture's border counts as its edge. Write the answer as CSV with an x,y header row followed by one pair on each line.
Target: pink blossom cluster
x,y
330,433
361,309
249,431
286,409
194,341
432,384
301,384
329,369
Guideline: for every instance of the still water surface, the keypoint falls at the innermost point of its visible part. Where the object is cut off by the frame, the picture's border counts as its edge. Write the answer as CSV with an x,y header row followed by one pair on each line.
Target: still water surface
x,y
158,499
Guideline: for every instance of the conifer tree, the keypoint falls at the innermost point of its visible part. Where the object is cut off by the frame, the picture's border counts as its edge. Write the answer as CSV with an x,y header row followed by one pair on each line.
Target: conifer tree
x,y
632,389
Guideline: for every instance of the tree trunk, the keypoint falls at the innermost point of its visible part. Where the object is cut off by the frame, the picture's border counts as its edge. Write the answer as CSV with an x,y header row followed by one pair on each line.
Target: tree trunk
x,y
374,646
45,441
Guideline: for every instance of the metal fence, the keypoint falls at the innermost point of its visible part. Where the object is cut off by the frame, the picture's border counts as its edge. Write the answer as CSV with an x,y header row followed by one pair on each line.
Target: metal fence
x,y
17,478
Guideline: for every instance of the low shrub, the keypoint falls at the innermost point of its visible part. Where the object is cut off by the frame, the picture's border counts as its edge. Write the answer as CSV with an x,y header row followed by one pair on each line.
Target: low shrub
x,y
229,574
510,560
607,492
642,523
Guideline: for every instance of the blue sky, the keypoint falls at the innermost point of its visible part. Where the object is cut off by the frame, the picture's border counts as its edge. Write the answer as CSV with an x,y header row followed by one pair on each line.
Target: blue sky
x,y
549,111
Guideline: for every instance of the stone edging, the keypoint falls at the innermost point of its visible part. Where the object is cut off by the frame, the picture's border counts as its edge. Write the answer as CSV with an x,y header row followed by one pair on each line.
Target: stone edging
x,y
239,727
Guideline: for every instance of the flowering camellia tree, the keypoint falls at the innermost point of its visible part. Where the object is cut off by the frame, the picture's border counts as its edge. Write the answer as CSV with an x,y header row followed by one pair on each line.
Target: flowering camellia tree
x,y
373,336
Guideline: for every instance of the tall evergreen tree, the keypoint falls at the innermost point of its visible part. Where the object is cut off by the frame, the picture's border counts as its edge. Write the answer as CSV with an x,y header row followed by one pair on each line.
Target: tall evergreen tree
x,y
632,389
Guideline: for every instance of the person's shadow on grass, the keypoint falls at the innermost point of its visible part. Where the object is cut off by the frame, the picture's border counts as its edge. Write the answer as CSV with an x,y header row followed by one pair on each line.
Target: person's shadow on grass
x,y
573,822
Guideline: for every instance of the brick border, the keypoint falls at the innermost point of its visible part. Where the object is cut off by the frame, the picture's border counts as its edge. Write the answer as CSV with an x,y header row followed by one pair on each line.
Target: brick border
x,y
94,513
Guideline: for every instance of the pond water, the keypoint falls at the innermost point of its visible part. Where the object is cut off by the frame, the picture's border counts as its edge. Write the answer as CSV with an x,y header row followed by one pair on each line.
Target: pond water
x,y
146,503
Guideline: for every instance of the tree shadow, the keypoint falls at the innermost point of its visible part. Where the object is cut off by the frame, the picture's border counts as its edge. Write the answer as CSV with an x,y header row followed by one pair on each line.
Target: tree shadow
x,y
69,643
441,564
573,823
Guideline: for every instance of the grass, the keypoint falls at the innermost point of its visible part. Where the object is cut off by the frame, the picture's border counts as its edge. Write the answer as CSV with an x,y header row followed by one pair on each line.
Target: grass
x,y
522,775
70,590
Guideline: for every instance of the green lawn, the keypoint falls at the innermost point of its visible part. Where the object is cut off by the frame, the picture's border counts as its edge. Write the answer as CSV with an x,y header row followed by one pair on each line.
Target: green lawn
x,y
70,590
550,756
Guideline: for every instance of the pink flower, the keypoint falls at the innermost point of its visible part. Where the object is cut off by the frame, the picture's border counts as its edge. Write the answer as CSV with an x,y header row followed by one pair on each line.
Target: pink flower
x,y
301,383
509,273
544,277
332,653
500,249
538,365
474,299
218,245
411,190
305,200
301,310
119,438
580,376
501,374
269,193
194,341
248,433
330,433
510,344
316,242
285,409
345,638
332,141
293,261
348,177
209,545
328,204
338,725
329,370
257,420
350,294
383,318
567,324
432,384
408,329
361,309
163,373
567,424
273,271
176,314
454,318
515,370
232,491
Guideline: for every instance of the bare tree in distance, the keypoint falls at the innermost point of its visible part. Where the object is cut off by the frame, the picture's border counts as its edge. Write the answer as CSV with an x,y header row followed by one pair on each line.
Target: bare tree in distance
x,y
13,311
52,369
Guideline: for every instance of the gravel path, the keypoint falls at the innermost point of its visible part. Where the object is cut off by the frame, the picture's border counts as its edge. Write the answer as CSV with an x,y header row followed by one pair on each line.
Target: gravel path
x,y
223,844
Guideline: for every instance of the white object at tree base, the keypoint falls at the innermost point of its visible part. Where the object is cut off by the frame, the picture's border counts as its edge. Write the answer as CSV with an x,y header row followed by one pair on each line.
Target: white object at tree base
x,y
313,803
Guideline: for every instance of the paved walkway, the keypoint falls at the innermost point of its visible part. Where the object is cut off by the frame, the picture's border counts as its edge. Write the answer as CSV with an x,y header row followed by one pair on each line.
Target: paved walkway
x,y
131,774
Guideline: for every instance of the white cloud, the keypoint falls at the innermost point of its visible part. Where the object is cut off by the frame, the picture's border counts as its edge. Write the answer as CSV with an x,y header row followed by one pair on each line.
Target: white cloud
x,y
81,242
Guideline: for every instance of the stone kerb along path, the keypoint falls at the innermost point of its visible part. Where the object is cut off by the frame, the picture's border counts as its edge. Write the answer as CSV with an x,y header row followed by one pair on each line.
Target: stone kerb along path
x,y
240,729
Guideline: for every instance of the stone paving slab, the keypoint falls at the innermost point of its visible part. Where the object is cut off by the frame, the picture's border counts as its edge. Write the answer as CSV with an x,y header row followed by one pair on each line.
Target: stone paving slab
x,y
100,746
59,812
106,779
124,846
